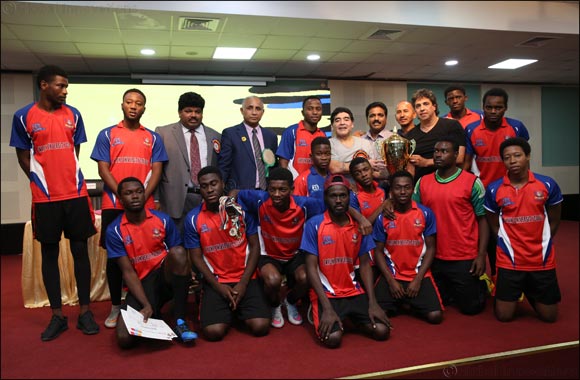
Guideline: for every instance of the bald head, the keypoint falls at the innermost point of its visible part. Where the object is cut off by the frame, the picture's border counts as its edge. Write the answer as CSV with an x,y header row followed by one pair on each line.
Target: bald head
x,y
405,114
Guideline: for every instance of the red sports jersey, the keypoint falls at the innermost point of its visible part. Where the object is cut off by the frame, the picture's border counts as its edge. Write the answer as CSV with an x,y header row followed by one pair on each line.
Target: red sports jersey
x,y
337,248
225,255
295,147
130,153
457,232
469,117
366,203
51,137
524,239
404,239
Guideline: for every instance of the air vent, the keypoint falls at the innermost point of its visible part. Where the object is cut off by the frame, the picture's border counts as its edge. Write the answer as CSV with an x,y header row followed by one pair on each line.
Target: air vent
x,y
386,34
537,41
198,24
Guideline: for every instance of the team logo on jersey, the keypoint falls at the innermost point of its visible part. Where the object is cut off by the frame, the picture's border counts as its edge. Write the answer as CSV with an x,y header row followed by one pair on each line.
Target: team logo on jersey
x,y
217,146
267,219
418,223
117,141
366,205
36,127
204,228
391,225
128,240
506,202
479,142
147,142
156,233
327,240
539,196
69,124
301,142
354,238
315,187
360,153
294,221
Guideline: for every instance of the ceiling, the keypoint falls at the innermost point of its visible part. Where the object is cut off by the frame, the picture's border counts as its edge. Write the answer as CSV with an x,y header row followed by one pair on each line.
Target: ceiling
x,y
107,40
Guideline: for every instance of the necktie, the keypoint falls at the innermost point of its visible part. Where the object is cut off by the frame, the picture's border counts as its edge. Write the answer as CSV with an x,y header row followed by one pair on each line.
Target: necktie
x,y
194,159
259,162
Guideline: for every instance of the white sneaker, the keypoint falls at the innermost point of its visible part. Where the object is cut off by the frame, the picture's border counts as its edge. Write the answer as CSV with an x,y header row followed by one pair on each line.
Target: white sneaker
x,y
111,321
293,315
277,317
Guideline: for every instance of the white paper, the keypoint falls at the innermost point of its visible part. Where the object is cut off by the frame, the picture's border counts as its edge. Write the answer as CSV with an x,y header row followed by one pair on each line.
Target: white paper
x,y
154,328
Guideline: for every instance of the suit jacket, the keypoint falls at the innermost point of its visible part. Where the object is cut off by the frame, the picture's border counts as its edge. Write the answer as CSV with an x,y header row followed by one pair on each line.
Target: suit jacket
x,y
172,189
236,159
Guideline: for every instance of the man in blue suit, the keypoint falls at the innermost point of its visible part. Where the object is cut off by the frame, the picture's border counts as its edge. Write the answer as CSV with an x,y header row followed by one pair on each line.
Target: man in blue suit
x,y
242,162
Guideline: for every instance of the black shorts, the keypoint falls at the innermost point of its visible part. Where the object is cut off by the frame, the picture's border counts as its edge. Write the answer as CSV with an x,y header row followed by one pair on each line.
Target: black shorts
x,y
356,308
426,301
107,217
73,216
286,268
455,283
538,286
157,290
213,308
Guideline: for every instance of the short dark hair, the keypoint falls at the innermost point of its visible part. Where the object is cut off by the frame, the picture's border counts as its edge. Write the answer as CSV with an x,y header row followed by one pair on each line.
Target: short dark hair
x,y
449,139
515,141
320,140
376,104
48,72
453,88
425,93
136,90
338,110
355,161
209,170
190,99
127,180
310,97
496,91
281,174
401,174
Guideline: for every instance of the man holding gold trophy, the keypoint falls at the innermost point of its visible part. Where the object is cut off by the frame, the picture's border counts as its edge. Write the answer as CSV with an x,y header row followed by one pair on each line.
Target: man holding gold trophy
x,y
396,152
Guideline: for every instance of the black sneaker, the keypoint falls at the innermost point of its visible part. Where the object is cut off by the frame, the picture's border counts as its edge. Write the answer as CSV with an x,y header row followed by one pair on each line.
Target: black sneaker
x,y
87,323
56,327
183,332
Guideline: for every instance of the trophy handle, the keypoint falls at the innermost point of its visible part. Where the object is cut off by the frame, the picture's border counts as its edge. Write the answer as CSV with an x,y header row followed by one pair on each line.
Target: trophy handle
x,y
412,144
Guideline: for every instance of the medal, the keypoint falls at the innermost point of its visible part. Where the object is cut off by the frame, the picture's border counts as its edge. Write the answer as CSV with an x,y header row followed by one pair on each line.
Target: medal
x,y
233,232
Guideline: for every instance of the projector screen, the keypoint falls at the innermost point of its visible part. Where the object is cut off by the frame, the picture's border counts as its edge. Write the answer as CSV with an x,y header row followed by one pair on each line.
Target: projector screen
x,y
100,106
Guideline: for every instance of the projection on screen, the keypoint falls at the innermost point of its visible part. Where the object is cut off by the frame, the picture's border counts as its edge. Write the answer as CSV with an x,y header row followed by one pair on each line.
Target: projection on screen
x,y
100,106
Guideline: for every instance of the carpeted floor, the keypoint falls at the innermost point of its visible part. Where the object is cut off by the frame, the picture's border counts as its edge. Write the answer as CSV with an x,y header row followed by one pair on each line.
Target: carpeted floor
x,y
291,352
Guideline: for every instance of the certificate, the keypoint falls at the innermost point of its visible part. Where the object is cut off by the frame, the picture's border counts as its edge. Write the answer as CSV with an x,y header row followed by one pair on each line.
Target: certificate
x,y
153,328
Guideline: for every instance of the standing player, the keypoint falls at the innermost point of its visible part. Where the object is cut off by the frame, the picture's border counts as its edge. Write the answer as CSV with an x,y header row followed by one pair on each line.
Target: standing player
x,y
455,98
294,152
223,245
524,209
47,136
405,248
127,149
332,243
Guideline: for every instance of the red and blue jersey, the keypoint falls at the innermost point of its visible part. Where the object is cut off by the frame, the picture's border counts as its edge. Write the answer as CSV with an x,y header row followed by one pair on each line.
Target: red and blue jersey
x,y
295,147
310,184
146,244
524,240
457,201
51,137
483,144
225,255
404,240
470,116
337,248
366,203
280,232
130,153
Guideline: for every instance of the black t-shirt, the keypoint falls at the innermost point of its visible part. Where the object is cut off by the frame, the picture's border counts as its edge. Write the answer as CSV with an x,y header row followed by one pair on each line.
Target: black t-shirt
x,y
426,141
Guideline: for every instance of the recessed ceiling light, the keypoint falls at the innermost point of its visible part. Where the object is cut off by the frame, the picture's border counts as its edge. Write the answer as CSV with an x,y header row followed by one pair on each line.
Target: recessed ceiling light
x,y
451,62
313,57
233,53
512,63
147,52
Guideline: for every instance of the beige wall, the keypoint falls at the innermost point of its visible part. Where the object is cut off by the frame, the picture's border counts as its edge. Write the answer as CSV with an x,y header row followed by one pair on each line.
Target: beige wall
x,y
524,104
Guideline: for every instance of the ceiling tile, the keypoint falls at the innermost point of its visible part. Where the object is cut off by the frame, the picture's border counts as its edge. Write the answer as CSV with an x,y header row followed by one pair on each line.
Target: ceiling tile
x,y
94,35
143,20
343,29
288,42
145,37
12,46
298,27
70,63
326,44
20,60
107,65
25,13
273,54
88,17
349,57
195,38
39,33
365,46
6,33
195,52
250,25
240,40
54,48
101,50
135,51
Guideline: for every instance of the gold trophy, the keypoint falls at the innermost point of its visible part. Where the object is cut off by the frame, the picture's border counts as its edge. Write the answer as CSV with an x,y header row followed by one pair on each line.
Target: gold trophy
x,y
396,151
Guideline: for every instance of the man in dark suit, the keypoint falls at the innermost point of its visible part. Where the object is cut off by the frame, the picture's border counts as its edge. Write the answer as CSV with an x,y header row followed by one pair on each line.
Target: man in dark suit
x,y
178,190
240,160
